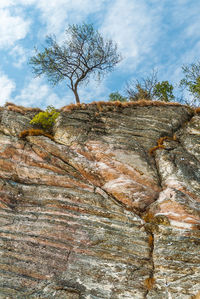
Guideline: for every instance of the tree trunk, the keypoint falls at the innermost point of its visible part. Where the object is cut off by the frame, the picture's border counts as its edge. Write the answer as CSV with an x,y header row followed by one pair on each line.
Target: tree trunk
x,y
76,95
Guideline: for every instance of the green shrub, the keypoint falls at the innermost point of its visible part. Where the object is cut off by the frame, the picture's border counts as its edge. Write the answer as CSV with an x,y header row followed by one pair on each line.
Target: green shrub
x,y
116,96
191,82
163,91
46,119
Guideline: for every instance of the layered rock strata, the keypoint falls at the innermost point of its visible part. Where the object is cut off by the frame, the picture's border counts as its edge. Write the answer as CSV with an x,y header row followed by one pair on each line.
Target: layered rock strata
x,y
92,214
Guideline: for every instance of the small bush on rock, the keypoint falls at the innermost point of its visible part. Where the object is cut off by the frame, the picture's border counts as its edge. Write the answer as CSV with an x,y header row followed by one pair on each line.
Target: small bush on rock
x,y
116,96
46,119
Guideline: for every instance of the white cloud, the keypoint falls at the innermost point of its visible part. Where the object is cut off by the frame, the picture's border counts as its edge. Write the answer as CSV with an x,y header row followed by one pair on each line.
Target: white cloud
x,y
37,93
6,3
7,86
94,91
12,28
56,15
20,55
190,33
149,34
134,26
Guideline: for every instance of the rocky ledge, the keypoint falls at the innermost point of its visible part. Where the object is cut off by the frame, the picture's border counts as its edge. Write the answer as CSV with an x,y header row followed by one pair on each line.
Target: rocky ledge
x,y
107,208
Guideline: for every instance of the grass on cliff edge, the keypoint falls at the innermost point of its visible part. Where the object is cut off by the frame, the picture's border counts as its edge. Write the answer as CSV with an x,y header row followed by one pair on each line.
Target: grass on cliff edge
x,y
142,103
101,105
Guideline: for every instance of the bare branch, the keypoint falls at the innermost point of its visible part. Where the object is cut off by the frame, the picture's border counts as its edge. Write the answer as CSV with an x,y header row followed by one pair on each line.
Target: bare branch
x,y
84,52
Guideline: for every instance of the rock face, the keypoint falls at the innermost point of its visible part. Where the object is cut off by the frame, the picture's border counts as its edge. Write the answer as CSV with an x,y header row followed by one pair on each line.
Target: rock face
x,y
92,214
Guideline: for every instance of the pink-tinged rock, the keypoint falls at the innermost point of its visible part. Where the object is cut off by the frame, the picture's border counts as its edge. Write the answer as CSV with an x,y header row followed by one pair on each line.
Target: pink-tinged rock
x,y
178,208
92,214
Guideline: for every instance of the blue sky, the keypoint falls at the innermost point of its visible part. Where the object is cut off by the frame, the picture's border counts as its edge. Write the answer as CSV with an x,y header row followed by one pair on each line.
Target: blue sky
x,y
150,34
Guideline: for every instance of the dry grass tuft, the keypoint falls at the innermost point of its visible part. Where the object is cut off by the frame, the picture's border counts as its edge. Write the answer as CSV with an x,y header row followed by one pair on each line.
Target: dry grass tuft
x,y
69,107
72,107
15,109
20,109
197,296
160,143
197,110
9,104
150,240
149,217
153,149
162,139
100,105
34,132
149,283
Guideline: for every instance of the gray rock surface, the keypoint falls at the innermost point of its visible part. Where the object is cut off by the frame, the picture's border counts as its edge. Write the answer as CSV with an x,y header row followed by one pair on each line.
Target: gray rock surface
x,y
92,214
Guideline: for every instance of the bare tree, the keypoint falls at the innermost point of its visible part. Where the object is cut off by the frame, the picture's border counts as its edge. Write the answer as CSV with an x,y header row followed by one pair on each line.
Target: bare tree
x,y
142,89
84,52
150,89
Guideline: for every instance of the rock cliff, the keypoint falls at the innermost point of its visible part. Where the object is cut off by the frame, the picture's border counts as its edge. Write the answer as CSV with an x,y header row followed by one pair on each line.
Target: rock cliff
x,y
108,208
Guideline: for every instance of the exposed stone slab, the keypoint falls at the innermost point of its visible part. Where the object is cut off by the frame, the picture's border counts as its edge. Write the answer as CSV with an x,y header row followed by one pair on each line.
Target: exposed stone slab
x,y
93,214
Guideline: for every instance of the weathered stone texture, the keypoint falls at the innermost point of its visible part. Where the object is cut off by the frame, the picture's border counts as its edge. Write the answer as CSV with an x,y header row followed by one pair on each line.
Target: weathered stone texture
x,y
92,214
